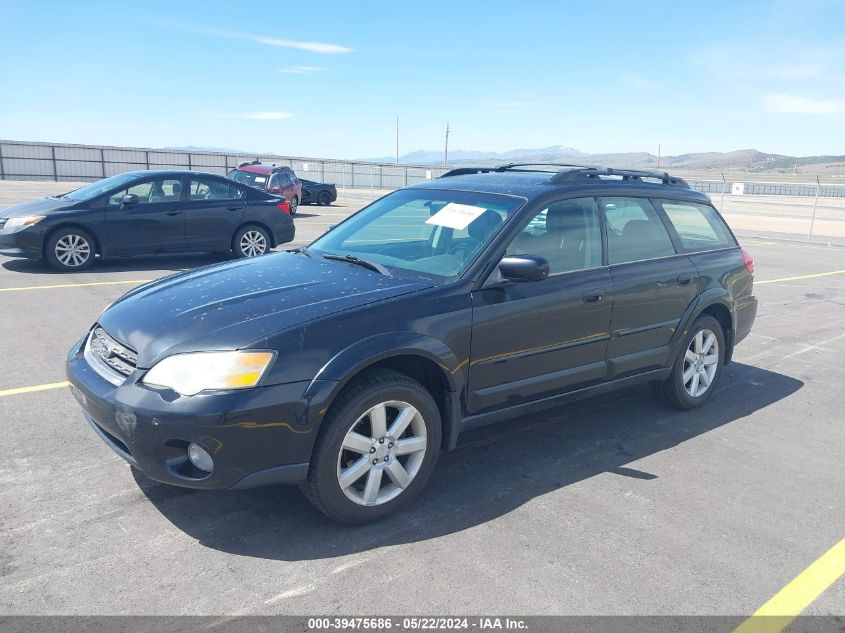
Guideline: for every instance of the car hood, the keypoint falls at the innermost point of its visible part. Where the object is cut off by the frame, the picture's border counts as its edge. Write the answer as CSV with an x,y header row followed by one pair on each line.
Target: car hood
x,y
230,305
43,206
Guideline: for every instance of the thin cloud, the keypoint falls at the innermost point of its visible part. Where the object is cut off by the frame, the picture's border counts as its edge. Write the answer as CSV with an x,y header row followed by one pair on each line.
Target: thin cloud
x,y
268,116
314,47
795,104
300,70
637,81
796,71
503,104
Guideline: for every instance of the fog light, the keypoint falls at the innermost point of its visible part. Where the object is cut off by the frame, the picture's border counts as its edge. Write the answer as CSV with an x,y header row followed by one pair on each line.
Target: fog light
x,y
200,458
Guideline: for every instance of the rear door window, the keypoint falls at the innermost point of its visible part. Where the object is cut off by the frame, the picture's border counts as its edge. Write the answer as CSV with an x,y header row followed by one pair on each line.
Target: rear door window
x,y
698,226
635,231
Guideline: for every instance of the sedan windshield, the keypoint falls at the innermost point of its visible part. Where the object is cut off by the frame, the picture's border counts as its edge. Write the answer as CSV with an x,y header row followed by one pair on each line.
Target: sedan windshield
x,y
89,192
424,232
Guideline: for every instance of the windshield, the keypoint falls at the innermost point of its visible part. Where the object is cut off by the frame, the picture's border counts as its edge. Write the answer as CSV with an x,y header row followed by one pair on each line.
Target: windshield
x,y
249,178
422,231
95,189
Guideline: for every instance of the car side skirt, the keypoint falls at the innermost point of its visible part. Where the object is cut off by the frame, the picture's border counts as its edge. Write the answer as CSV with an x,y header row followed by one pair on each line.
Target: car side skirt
x,y
493,417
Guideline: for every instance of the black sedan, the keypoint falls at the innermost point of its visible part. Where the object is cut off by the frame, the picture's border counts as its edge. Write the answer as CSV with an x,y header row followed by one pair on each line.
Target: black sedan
x,y
318,193
146,212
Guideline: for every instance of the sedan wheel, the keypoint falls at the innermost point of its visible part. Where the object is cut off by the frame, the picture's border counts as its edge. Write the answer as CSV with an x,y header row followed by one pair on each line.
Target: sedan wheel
x,y
253,243
73,250
69,249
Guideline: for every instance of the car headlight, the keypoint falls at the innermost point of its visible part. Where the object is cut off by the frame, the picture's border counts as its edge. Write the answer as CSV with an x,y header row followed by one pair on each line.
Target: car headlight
x,y
16,223
188,374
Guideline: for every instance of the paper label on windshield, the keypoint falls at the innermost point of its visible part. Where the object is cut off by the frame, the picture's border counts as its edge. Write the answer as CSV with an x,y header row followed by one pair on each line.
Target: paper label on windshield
x,y
456,216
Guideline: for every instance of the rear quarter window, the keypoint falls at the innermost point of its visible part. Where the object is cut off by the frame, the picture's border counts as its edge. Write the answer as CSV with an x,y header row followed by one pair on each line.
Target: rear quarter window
x,y
698,226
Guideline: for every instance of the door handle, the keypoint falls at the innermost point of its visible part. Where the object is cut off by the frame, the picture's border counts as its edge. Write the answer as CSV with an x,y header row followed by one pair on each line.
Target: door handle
x,y
684,279
592,296
234,208
173,212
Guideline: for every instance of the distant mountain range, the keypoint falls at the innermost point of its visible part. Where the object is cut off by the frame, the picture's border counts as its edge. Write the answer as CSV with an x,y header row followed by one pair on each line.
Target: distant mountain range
x,y
745,160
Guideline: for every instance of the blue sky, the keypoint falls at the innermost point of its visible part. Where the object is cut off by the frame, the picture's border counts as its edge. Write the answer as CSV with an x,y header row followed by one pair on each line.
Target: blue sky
x,y
328,78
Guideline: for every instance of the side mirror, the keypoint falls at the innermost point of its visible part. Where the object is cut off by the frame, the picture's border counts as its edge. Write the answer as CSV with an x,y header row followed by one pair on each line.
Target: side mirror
x,y
128,200
524,268
276,190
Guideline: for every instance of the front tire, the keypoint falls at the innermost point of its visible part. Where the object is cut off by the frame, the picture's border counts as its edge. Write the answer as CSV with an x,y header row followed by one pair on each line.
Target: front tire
x,y
250,241
376,449
697,368
69,249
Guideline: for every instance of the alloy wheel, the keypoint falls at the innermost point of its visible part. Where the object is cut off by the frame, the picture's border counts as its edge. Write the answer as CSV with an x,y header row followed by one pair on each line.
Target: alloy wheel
x,y
701,361
253,243
72,250
381,453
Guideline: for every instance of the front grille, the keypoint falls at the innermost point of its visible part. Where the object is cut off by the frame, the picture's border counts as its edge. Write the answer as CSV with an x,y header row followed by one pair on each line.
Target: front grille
x,y
114,361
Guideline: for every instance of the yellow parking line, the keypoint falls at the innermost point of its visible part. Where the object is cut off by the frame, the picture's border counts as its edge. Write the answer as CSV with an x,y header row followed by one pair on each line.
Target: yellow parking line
x,y
19,390
777,613
90,283
775,281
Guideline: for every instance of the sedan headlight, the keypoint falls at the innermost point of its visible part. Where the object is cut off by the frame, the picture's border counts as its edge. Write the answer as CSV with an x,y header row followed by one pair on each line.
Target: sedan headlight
x,y
188,374
16,223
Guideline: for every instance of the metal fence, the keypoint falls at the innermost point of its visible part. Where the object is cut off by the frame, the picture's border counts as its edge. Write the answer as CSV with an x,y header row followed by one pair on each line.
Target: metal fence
x,y
20,160
798,210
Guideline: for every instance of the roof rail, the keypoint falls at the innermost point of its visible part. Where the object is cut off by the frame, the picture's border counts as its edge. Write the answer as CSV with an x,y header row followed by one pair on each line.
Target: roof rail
x,y
625,175
513,165
250,162
462,171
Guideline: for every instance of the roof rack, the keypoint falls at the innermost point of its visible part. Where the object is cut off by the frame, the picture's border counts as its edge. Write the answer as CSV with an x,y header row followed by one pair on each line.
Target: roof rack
x,y
571,173
626,175
462,171
513,165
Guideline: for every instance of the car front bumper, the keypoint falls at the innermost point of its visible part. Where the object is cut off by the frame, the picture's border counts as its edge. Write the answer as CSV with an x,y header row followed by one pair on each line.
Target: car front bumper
x,y
24,242
256,437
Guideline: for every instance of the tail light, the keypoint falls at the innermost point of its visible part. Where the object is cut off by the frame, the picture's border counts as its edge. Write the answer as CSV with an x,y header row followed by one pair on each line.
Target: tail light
x,y
749,262
284,206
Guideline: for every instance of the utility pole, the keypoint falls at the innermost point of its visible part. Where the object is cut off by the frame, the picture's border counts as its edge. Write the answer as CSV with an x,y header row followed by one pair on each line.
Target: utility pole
x,y
659,148
446,149
397,140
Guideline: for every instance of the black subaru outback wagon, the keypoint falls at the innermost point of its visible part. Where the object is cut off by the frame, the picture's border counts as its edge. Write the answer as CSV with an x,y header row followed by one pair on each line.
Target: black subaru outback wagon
x,y
347,366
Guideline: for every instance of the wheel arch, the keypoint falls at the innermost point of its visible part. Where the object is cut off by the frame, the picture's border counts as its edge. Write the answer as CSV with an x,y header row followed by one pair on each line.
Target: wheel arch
x,y
422,358
98,243
257,223
716,303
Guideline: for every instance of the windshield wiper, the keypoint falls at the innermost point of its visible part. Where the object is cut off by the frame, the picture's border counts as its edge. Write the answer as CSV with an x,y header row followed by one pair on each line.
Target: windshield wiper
x,y
351,259
301,250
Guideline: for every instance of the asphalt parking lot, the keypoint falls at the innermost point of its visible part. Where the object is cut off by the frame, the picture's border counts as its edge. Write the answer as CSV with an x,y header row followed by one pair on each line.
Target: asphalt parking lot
x,y
609,506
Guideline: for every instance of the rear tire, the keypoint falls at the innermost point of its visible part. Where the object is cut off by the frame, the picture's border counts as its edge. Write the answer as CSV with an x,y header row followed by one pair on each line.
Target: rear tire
x,y
250,241
294,205
324,199
69,249
697,368
376,448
